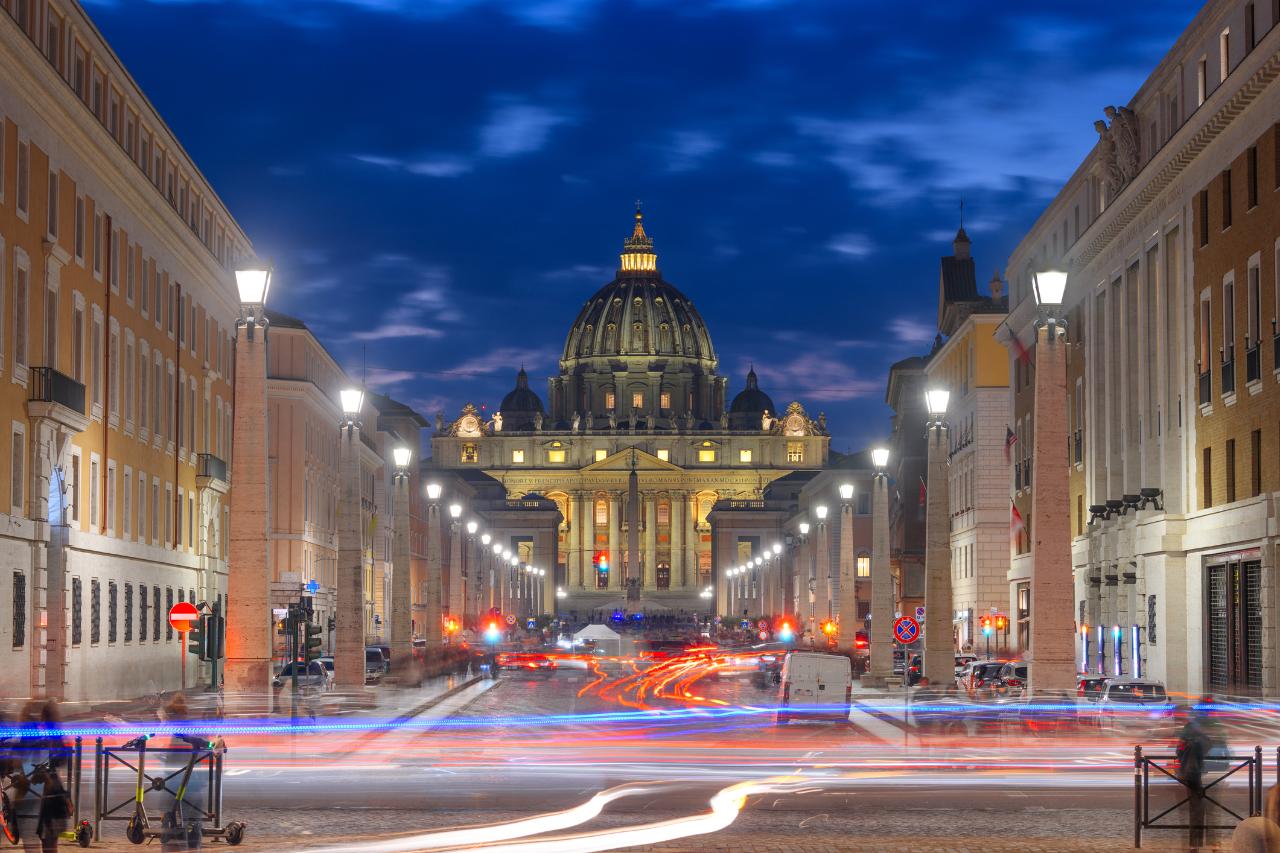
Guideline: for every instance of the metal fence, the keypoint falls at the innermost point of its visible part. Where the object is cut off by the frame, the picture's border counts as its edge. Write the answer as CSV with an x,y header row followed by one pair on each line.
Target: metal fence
x,y
1212,793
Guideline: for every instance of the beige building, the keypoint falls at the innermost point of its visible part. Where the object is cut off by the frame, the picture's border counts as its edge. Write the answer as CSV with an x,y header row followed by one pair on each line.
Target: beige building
x,y
119,307
638,390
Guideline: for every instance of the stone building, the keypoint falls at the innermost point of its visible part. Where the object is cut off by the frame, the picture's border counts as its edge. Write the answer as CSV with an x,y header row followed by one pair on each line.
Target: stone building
x,y
116,261
974,367
639,390
1168,229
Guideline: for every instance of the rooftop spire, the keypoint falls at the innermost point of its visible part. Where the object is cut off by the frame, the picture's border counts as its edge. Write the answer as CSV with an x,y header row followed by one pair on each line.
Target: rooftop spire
x,y
637,251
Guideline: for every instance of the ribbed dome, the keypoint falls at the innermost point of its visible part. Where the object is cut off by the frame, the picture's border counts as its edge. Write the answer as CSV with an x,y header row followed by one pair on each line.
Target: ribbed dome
x,y
638,314
751,400
521,405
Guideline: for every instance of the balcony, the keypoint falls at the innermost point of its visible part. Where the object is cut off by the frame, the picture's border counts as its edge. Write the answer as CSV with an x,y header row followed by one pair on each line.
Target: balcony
x,y
1206,388
58,397
1229,377
1017,476
1252,364
1078,453
1275,354
208,465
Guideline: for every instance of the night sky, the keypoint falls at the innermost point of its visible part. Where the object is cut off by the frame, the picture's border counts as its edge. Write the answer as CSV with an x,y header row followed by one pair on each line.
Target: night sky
x,y
441,184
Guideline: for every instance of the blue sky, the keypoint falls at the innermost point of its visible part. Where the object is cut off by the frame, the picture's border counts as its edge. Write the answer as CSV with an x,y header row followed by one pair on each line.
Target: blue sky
x,y
441,184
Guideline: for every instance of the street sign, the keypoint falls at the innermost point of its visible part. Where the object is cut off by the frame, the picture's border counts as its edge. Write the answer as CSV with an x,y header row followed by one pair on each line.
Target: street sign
x,y
182,615
764,635
313,586
906,630
531,624
511,619
919,613
763,625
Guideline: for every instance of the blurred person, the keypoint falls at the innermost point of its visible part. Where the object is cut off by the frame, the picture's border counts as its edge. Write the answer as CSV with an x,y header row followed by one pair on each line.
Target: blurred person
x,y
1199,738
182,816
41,804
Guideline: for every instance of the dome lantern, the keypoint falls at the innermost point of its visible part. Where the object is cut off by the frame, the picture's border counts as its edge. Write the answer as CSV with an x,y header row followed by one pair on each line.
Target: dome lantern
x,y
638,256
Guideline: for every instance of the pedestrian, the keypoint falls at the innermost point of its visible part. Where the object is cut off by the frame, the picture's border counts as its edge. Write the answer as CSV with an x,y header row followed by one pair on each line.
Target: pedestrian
x,y
43,804
1192,753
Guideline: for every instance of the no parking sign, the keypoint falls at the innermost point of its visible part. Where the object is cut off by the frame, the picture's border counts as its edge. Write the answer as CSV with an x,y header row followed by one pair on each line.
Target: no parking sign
x,y
906,630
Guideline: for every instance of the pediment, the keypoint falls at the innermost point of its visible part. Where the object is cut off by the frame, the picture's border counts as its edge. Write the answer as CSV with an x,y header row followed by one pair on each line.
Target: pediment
x,y
621,461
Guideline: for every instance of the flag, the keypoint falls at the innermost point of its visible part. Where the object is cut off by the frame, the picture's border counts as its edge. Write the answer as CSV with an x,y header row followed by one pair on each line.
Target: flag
x,y
1009,441
923,490
1024,354
1016,524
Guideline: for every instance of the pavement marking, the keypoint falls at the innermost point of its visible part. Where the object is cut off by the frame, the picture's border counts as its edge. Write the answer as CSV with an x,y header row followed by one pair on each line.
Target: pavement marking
x,y
877,727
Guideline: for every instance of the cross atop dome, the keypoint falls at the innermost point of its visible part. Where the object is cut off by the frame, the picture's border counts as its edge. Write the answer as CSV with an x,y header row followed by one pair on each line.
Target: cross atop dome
x,y
637,250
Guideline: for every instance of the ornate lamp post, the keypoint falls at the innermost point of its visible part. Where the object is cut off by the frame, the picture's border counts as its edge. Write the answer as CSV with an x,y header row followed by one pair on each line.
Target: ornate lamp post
x,y
1052,652
811,583
880,636
401,582
939,648
487,556
823,558
471,571
778,584
348,657
457,588
497,577
433,627
848,609
249,622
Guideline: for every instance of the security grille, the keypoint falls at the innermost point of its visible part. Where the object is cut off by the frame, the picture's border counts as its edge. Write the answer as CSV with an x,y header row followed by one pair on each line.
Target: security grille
x,y
143,609
1218,626
168,601
1253,623
112,595
95,611
156,613
128,612
77,612
19,610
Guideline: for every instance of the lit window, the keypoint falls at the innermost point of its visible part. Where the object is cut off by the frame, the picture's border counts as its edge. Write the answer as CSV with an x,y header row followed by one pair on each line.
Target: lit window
x,y
744,455
610,401
664,454
602,513
601,453
556,452
706,455
470,453
864,566
637,399
664,400
517,456
795,451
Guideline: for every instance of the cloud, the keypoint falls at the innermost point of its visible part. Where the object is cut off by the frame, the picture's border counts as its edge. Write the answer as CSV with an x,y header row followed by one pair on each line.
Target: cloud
x,y
429,165
912,331
851,245
383,378
389,331
814,377
580,272
689,149
775,159
502,359
423,305
517,127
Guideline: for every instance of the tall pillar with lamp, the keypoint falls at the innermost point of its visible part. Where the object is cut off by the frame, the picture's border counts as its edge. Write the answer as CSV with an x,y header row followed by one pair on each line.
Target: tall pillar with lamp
x,y
939,647
248,667
401,583
848,609
880,636
349,641
433,629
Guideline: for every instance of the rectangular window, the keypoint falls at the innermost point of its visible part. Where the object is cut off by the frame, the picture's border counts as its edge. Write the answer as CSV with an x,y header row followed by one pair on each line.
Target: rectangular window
x,y
52,225
706,455
517,456
113,360
168,516
664,400
1224,55
601,454
95,611
128,612
637,400
664,454
126,516
744,455
112,601
95,354
144,610
1228,320
168,599
1255,460
24,179
155,513
1231,470
18,467
20,317
1250,27
864,566
77,343
1251,175
73,486
19,610
469,451
795,451
94,518
556,456
79,229
113,256
141,508
610,401
97,245
51,328
602,513
128,271
77,612
156,613
1206,475
1202,80
1226,199
111,496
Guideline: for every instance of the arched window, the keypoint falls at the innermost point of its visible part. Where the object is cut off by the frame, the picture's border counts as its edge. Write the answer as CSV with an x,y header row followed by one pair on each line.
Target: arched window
x,y
664,513
862,565
602,512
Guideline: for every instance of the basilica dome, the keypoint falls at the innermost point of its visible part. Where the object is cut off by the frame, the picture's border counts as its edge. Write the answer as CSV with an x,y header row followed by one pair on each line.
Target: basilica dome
x,y
750,404
522,406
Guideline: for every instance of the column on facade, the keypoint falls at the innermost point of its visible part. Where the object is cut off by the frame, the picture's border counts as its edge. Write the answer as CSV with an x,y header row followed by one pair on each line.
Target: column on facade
x,y
584,537
939,659
431,617
678,513
880,633
457,586
822,568
401,612
615,536
545,555
650,541
848,605
349,634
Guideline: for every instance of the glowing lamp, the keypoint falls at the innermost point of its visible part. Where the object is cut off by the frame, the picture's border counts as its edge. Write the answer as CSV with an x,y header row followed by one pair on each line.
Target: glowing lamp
x,y
472,527
821,512
880,457
433,491
513,560
804,528
485,538
401,456
352,400
935,400
846,491
253,285
784,632
1050,286
455,510
777,547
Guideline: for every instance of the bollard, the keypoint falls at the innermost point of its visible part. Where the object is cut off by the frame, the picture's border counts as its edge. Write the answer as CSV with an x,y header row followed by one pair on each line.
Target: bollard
x,y
99,794
1255,781
1137,796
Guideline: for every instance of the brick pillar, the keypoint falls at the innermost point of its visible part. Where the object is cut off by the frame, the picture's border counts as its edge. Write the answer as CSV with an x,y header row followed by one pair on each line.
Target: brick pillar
x,y
432,629
822,568
348,657
939,649
248,667
848,579
1052,587
401,612
880,635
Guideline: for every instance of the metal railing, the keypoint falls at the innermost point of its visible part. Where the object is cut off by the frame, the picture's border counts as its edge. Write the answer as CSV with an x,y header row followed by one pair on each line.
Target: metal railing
x,y
1206,388
1229,376
50,386
208,465
1211,792
1078,441
1252,364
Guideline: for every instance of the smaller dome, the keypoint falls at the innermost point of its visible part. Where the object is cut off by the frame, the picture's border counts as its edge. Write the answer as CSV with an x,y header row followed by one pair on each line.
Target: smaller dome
x,y
751,400
521,405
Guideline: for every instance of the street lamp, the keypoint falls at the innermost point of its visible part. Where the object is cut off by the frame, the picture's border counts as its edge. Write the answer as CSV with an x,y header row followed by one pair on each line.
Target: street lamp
x,y
1052,629
939,648
249,640
401,582
352,401
880,667
472,527
433,491
433,618
455,511
846,491
401,457
352,617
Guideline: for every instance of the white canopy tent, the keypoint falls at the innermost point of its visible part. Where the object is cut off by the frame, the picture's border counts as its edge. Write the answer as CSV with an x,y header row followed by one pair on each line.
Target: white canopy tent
x,y
603,636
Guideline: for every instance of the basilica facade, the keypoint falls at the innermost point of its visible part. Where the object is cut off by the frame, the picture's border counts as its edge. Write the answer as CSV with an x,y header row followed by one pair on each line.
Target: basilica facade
x,y
636,442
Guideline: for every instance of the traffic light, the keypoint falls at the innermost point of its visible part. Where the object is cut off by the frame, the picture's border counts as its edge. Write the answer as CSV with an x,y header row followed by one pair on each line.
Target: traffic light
x,y
986,626
310,641
198,638
829,628
784,632
492,632
1000,622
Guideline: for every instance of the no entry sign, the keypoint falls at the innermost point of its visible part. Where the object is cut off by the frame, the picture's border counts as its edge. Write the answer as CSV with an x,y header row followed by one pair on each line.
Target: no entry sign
x,y
183,615
906,630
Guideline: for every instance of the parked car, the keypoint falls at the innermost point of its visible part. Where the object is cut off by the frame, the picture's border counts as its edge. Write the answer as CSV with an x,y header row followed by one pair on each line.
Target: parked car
x,y
1091,687
327,663
982,676
375,664
1012,679
962,664
1136,701
820,685
312,677
386,656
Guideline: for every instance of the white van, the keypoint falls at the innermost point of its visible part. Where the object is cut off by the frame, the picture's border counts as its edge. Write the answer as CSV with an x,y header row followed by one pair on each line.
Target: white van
x,y
810,680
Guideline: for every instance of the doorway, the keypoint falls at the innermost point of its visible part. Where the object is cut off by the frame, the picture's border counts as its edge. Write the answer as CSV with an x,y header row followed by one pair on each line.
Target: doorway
x,y
1233,594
